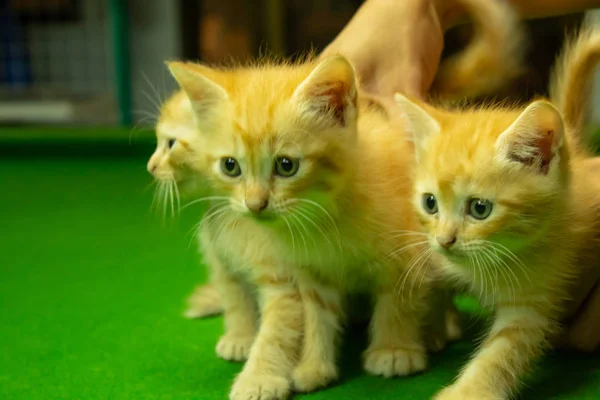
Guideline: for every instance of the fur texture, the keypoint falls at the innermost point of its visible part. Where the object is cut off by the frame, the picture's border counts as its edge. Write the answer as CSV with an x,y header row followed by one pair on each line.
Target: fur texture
x,y
335,226
171,164
176,179
573,76
571,90
511,214
493,59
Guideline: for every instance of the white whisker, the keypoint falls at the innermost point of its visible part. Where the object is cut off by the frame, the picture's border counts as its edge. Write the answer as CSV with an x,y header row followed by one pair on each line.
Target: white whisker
x,y
420,271
291,235
317,227
295,218
511,256
402,249
203,199
177,196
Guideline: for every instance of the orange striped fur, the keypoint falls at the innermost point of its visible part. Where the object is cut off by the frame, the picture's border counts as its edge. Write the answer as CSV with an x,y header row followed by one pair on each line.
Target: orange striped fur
x,y
527,255
328,231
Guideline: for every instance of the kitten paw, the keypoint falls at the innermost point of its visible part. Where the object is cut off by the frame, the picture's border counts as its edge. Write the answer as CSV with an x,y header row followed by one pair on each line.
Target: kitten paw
x,y
456,392
204,302
310,376
234,348
453,327
248,386
394,362
436,342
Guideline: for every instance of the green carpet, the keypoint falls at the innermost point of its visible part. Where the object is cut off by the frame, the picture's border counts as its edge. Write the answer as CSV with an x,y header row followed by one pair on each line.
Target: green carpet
x,y
92,287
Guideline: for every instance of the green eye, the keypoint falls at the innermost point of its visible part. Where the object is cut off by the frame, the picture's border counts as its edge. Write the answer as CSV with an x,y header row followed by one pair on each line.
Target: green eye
x,y
430,203
230,167
286,166
480,208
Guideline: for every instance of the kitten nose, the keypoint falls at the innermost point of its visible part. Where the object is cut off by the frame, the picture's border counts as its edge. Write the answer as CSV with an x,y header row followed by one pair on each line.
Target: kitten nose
x,y
152,167
446,241
257,205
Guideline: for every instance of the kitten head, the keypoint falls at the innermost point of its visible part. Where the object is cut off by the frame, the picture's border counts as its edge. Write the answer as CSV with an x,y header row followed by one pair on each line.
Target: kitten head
x,y
276,139
176,140
488,182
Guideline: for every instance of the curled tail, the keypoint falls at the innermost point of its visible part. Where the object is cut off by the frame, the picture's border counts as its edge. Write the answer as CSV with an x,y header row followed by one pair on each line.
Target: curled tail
x,y
572,77
493,58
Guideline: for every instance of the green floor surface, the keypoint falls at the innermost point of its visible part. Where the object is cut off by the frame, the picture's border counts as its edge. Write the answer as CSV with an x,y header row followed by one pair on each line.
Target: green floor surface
x,y
92,287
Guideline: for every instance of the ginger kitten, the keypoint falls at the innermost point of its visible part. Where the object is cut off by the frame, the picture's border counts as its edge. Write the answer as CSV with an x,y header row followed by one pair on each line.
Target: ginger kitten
x,y
170,166
501,199
511,213
570,90
305,180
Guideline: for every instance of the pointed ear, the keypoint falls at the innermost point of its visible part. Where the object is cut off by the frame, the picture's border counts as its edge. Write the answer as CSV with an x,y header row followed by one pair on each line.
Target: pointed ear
x,y
204,94
329,92
418,122
535,138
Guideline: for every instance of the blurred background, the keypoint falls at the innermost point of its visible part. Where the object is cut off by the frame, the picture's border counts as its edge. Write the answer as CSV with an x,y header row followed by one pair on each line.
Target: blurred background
x,y
99,63
92,279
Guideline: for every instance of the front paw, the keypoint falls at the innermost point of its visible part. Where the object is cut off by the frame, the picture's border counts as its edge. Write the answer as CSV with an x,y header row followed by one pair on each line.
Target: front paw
x,y
394,362
204,302
453,326
310,376
248,386
435,341
463,392
234,348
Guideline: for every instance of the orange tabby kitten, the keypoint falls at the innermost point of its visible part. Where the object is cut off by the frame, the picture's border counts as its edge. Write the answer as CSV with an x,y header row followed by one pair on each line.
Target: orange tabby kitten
x,y
171,168
571,85
304,193
510,212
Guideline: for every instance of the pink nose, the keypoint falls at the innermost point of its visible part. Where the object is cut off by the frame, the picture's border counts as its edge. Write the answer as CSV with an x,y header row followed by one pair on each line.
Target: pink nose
x,y
446,241
257,205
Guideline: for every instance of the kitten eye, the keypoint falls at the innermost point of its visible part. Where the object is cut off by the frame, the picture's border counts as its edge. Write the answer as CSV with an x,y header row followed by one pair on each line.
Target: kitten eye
x,y
430,203
480,208
230,167
286,166
171,143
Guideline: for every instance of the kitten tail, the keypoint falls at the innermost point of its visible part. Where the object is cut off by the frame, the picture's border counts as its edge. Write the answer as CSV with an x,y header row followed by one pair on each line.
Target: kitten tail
x,y
494,57
572,77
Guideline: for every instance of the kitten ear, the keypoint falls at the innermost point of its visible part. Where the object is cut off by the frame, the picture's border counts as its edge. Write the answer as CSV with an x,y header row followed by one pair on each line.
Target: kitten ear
x,y
535,137
203,93
418,122
329,91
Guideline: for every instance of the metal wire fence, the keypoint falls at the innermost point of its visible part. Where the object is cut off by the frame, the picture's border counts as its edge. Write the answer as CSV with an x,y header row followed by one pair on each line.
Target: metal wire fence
x,y
57,62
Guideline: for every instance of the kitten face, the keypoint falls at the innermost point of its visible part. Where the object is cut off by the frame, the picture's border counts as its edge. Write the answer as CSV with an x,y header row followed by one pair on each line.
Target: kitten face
x,y
474,209
275,142
272,175
487,182
176,140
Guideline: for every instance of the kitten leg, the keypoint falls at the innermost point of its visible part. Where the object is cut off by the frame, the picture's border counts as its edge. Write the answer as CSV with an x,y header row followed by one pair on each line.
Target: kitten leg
x,y
583,332
517,338
266,375
239,311
453,326
322,312
204,302
396,347
442,324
